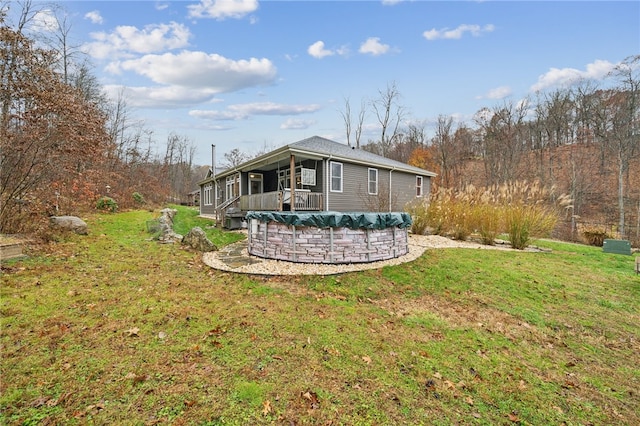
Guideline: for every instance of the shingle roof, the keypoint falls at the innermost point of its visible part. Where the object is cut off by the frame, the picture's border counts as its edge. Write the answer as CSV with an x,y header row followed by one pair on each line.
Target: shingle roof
x,y
326,148
320,145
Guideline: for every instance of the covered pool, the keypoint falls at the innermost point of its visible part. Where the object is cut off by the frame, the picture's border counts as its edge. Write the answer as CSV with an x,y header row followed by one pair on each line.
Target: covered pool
x,y
328,237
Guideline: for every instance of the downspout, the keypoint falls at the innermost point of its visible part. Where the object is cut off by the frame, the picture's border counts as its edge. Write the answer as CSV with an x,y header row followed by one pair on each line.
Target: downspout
x,y
390,187
328,180
215,182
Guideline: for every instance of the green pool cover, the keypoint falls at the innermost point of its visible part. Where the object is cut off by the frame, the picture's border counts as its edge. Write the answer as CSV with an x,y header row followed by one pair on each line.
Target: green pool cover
x,y
352,220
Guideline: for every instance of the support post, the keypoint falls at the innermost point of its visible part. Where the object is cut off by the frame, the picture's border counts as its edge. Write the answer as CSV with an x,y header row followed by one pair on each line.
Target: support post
x,y
292,181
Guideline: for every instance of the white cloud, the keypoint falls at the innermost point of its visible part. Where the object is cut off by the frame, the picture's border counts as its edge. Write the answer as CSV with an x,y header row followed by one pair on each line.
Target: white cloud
x,y
271,108
94,16
45,21
317,50
127,40
373,46
294,124
244,111
222,9
161,6
190,78
159,97
457,33
391,2
202,71
498,93
216,115
567,76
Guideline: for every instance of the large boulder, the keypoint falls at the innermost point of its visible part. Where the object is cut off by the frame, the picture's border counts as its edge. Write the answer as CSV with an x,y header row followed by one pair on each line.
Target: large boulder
x,y
197,239
69,223
165,221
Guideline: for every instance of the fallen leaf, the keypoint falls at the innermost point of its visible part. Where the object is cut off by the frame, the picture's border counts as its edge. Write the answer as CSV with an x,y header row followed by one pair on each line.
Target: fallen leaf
x,y
513,417
476,415
449,384
162,335
366,359
314,402
469,400
266,407
132,332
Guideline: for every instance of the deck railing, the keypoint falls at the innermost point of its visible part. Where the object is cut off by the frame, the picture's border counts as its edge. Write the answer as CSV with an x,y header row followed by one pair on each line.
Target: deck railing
x,y
281,200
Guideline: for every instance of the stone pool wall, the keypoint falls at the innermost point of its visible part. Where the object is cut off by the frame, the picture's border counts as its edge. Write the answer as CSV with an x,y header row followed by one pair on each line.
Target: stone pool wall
x,y
309,244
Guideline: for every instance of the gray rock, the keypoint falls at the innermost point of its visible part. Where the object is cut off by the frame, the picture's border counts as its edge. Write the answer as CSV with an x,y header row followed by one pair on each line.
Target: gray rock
x,y
165,221
69,223
197,239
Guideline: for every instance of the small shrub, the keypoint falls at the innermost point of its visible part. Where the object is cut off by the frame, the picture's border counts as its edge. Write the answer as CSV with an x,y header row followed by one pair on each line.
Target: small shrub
x,y
107,204
138,198
595,236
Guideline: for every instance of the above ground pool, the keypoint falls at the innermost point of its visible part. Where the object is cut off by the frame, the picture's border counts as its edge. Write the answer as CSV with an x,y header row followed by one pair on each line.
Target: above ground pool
x,y
328,237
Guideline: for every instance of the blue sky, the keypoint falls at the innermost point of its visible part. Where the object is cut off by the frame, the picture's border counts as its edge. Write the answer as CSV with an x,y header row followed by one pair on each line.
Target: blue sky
x,y
251,74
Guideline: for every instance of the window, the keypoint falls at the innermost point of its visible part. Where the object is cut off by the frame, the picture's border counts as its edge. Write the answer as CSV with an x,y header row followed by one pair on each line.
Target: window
x,y
255,183
373,181
335,176
419,190
231,186
308,176
206,194
304,177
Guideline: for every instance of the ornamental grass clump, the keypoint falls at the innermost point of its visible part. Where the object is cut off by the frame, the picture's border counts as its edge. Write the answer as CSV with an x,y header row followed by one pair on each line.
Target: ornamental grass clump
x,y
462,213
418,211
489,216
437,211
520,209
594,235
530,210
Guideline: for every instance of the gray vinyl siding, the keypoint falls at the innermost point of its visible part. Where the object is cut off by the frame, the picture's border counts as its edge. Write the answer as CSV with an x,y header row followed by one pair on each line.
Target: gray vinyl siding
x,y
355,197
206,209
354,189
404,188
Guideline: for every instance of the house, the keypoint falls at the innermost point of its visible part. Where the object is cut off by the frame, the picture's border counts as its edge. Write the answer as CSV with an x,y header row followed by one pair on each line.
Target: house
x,y
314,174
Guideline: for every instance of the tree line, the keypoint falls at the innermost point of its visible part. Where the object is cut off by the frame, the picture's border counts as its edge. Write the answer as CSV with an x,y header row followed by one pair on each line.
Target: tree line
x,y
64,143
582,140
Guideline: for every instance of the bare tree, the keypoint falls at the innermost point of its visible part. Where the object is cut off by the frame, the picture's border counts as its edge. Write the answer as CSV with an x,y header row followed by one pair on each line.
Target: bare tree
x,y
234,158
443,143
390,115
502,144
359,126
346,118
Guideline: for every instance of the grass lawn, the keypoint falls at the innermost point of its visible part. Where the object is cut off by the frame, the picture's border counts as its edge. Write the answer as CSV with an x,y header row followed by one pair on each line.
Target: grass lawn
x,y
115,328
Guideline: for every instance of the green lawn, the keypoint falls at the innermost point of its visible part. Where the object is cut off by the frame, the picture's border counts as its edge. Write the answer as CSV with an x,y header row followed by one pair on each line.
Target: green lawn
x,y
115,328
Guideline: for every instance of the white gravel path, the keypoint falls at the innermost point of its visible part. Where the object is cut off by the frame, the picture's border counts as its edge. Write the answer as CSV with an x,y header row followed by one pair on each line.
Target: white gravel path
x,y
418,244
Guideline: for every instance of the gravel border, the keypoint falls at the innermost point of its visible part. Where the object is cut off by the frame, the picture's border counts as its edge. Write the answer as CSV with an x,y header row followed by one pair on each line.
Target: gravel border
x,y
418,244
